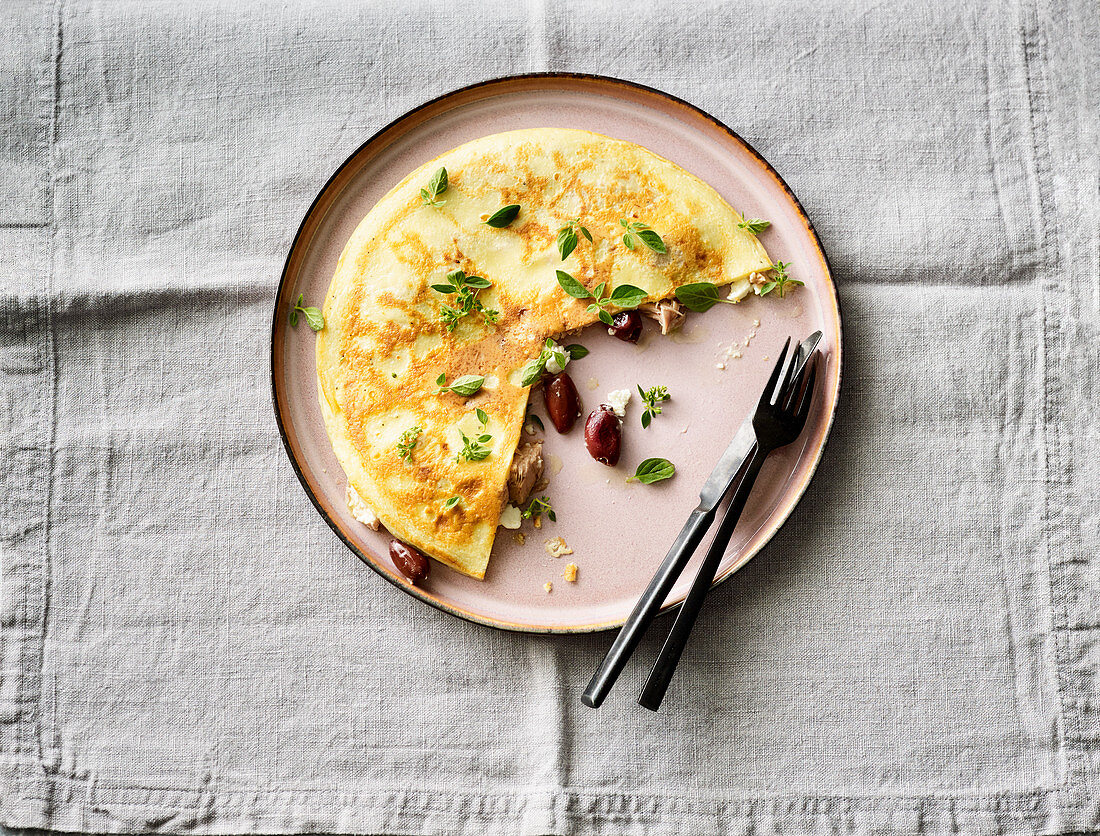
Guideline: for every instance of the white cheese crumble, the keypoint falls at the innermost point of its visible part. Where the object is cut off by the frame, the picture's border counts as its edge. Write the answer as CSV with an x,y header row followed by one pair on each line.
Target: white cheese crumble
x,y
559,359
510,517
618,400
360,510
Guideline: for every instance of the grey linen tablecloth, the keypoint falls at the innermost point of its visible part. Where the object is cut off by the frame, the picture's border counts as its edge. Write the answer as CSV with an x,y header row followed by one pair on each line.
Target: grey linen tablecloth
x,y
185,646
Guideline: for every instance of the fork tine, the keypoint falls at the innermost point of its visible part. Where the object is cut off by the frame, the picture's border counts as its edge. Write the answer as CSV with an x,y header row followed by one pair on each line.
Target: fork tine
x,y
808,392
789,382
770,390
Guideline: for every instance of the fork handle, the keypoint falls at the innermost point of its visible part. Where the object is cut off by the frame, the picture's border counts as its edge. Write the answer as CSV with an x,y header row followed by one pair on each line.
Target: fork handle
x,y
659,677
687,541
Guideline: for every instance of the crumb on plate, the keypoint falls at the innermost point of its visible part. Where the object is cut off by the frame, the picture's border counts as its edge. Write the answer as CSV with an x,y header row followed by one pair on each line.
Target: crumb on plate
x,y
557,547
570,572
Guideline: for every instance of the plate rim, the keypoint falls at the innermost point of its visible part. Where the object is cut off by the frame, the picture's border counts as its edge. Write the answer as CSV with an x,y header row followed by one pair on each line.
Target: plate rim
x,y
584,78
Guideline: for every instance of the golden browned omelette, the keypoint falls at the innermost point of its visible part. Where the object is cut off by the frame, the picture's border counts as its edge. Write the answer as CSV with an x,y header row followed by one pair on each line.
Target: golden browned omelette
x,y
433,464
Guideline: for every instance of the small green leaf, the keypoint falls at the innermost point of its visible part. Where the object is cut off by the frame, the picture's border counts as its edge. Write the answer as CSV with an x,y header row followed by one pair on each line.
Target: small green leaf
x,y
585,233
439,381
753,226
652,240
647,417
653,470
572,286
624,223
628,239
482,415
467,385
700,296
567,241
445,288
314,318
438,184
628,296
478,282
605,317
532,371
576,352
451,503
534,421
503,216
293,318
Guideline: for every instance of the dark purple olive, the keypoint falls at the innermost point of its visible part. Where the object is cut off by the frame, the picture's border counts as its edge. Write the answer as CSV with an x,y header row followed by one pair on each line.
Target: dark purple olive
x,y
563,404
626,325
603,435
409,562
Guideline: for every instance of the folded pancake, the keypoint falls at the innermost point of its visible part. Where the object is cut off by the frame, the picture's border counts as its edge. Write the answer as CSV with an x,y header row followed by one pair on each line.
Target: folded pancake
x,y
385,343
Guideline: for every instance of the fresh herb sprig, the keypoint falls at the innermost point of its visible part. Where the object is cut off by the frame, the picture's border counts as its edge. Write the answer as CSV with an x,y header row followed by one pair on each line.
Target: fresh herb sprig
x,y
465,290
436,186
503,216
567,237
780,282
624,296
407,443
467,385
637,231
314,318
653,470
475,449
533,369
652,400
450,503
753,226
537,507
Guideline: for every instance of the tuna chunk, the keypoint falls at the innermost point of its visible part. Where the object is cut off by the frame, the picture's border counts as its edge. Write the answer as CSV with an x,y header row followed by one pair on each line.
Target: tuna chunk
x,y
668,313
526,471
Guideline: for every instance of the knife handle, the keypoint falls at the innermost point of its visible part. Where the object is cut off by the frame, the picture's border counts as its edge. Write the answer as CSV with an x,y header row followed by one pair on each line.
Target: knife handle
x,y
647,607
653,691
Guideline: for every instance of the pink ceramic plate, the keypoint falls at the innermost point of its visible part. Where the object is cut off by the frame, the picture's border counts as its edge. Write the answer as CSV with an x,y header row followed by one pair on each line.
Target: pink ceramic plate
x,y
619,532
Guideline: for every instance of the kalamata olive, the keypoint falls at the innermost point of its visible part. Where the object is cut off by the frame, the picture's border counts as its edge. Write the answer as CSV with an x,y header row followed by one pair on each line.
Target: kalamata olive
x,y
409,562
626,325
603,435
563,404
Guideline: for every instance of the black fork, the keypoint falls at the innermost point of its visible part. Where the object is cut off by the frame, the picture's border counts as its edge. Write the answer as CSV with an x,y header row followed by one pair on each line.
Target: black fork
x,y
778,420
